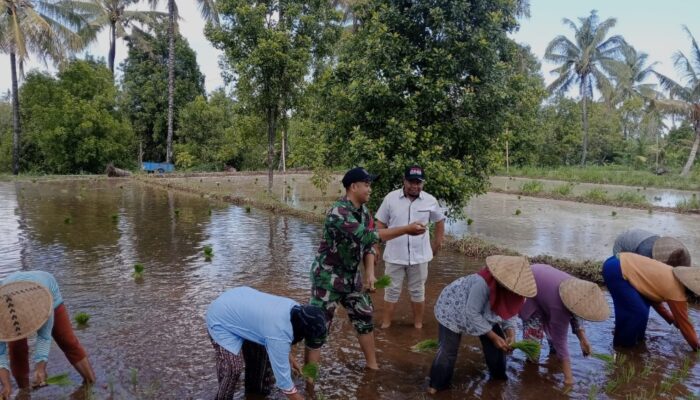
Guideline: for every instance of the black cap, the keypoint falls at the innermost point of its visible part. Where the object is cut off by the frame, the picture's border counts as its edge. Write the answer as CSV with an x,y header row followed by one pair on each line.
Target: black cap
x,y
358,174
414,172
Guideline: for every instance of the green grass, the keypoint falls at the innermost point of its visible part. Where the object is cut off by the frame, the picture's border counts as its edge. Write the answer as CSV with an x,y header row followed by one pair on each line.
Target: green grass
x,y
632,198
532,187
611,174
689,204
563,190
596,195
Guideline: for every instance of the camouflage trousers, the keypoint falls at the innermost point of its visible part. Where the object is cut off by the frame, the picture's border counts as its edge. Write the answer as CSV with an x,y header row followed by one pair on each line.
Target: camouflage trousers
x,y
358,305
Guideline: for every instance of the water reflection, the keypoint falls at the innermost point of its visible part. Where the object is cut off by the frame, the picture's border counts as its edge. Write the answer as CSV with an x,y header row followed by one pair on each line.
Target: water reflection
x,y
148,339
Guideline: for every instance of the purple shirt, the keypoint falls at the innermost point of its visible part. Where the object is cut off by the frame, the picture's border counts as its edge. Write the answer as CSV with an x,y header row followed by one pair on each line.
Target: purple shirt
x,y
555,317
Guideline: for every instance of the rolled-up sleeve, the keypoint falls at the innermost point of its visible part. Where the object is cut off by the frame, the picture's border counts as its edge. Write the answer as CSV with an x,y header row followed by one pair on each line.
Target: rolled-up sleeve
x,y
278,352
4,359
43,341
476,324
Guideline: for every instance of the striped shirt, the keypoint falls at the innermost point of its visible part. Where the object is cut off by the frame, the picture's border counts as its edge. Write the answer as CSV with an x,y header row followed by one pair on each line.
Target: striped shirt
x,y
43,339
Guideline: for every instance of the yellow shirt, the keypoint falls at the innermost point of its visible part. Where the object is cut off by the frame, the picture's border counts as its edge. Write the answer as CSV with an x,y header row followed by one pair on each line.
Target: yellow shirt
x,y
653,279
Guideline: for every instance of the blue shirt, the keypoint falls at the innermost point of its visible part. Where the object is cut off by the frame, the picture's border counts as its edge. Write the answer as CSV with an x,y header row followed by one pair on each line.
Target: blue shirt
x,y
244,313
43,339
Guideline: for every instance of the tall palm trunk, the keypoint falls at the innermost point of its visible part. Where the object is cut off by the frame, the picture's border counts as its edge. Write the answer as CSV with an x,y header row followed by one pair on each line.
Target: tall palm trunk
x,y
585,123
112,45
16,127
171,78
694,149
271,126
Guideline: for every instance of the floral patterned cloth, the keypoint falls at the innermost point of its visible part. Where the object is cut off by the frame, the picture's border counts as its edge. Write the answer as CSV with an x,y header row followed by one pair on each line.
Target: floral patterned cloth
x,y
463,307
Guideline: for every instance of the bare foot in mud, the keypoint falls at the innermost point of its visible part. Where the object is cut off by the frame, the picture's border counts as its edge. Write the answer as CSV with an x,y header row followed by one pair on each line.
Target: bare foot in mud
x,y
385,325
418,325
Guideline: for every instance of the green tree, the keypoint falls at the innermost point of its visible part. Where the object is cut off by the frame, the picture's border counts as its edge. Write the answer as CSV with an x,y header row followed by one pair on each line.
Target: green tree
x,y
583,61
425,82
630,91
269,47
46,28
208,11
72,122
6,135
207,134
145,87
114,15
685,100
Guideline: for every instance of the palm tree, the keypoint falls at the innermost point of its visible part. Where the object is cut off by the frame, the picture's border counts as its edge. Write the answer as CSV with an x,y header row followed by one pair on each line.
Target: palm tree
x,y
629,75
207,9
583,61
114,15
685,100
44,28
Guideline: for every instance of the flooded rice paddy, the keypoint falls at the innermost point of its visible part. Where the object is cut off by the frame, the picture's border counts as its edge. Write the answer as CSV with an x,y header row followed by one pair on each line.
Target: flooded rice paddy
x,y
148,339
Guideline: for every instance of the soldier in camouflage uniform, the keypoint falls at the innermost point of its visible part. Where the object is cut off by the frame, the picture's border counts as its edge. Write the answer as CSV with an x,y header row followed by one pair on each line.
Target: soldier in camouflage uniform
x,y
349,236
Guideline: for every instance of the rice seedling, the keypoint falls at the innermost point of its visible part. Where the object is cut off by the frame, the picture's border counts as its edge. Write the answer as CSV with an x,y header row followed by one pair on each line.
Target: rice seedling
x,y
138,271
208,251
425,345
310,371
563,190
115,218
593,392
470,221
518,212
518,197
688,204
67,220
596,195
382,282
82,318
530,347
59,380
608,358
247,209
209,212
177,212
632,198
532,187
614,213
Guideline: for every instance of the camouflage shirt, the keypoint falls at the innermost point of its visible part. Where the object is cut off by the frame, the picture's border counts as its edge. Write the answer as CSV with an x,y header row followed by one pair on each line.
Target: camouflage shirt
x,y
348,235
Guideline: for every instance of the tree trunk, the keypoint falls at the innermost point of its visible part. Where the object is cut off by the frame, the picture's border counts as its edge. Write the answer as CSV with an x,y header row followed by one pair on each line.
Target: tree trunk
x,y
693,150
16,124
585,126
112,45
271,122
171,79
285,141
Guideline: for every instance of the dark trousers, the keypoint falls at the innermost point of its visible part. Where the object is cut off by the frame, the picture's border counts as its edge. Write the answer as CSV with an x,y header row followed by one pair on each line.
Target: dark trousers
x,y
631,308
444,364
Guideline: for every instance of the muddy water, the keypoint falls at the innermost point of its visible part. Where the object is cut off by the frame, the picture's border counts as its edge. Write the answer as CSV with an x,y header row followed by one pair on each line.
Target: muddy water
x,y
656,197
148,340
561,228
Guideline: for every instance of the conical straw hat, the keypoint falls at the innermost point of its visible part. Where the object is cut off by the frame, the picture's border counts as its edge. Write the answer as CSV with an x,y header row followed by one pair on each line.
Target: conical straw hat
x,y
584,299
670,251
514,273
689,277
24,308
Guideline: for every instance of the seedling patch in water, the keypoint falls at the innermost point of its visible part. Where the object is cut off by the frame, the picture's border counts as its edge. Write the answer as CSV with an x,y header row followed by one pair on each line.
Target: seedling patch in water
x,y
426,345
138,271
82,318
310,371
59,380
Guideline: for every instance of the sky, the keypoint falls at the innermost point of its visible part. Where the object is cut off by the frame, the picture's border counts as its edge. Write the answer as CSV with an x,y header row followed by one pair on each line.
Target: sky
x,y
654,27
